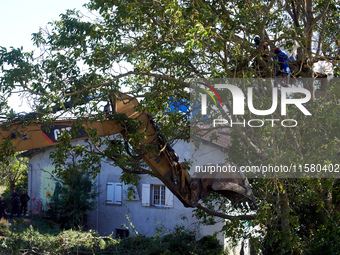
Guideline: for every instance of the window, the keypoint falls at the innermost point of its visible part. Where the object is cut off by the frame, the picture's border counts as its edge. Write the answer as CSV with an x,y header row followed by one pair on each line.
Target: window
x,y
114,193
122,233
157,195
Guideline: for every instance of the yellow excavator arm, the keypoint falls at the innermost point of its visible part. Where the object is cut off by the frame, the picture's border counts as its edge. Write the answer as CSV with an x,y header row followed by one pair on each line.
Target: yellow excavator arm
x,y
162,159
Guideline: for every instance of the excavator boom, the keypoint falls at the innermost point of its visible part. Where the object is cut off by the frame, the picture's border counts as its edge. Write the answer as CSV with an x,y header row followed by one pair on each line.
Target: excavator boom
x,y
161,158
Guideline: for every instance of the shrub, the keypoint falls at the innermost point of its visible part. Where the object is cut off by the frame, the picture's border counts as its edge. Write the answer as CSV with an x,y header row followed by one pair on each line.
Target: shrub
x,y
32,241
179,242
4,226
73,201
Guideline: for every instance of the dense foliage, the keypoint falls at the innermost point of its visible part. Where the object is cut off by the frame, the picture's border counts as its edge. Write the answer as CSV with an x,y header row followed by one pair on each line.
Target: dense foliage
x,y
30,240
74,198
153,50
13,174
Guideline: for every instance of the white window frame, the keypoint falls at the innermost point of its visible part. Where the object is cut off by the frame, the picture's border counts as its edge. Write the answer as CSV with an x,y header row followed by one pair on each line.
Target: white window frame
x,y
158,195
148,196
114,193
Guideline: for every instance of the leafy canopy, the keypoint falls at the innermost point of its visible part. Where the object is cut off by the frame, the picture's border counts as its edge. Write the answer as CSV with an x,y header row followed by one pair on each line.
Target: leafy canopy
x,y
154,49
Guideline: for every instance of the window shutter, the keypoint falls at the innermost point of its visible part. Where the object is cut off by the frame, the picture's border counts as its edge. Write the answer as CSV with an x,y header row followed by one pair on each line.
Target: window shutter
x,y
109,192
169,198
145,194
118,193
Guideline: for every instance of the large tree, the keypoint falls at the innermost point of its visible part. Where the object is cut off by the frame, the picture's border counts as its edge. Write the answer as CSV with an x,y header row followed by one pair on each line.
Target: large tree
x,y
154,49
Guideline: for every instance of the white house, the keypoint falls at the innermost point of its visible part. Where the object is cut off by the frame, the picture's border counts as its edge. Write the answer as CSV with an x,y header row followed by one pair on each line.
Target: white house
x,y
153,207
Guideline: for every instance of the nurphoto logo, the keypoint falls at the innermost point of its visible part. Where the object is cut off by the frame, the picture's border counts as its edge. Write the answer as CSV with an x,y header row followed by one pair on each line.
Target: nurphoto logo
x,y
283,94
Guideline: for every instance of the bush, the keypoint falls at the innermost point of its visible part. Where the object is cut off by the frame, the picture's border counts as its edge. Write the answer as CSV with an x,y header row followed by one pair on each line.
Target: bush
x,y
209,245
179,242
73,201
4,226
32,241
326,240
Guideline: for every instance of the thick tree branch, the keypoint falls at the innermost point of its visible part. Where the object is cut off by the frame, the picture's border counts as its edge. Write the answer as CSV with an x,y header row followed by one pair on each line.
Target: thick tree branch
x,y
226,216
154,75
250,145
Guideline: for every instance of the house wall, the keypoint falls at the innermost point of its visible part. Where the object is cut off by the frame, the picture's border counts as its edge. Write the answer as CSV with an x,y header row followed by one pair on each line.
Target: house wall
x,y
41,185
205,154
107,218
145,218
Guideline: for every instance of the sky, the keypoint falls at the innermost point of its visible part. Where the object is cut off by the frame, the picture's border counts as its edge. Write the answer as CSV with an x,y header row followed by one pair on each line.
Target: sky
x,y
20,18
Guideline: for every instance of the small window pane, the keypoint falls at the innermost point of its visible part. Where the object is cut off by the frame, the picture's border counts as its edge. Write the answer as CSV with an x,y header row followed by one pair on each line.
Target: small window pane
x,y
162,195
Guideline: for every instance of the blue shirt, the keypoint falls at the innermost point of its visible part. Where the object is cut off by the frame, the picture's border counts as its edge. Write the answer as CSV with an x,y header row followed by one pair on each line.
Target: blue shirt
x,y
281,63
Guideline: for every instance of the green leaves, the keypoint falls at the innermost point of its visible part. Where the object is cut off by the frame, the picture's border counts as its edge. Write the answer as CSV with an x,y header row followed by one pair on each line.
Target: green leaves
x,y
74,199
152,50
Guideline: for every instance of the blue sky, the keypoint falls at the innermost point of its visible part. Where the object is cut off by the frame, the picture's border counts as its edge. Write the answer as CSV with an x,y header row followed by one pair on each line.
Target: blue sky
x,y
20,18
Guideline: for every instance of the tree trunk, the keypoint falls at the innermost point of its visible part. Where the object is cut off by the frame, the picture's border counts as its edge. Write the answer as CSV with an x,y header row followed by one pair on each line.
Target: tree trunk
x,y
12,185
284,204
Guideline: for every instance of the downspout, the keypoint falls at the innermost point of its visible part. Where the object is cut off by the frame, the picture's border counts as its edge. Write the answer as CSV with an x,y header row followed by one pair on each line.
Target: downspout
x,y
30,173
97,220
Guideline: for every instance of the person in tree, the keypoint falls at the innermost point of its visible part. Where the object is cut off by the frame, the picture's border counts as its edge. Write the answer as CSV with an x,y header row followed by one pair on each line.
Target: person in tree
x,y
3,207
265,48
15,204
258,65
24,198
281,64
